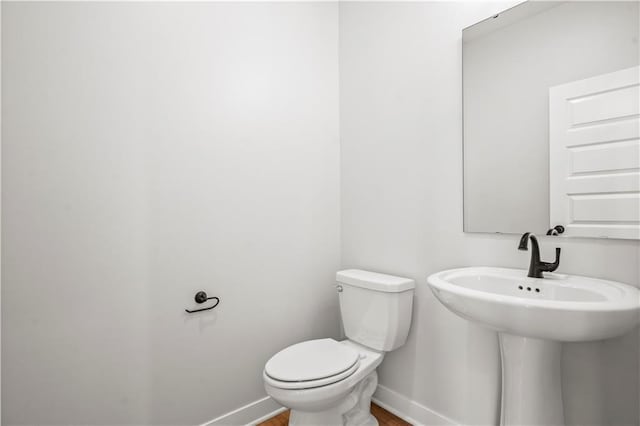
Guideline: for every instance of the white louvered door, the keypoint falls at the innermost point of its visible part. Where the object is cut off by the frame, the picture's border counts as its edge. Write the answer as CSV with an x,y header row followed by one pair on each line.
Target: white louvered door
x,y
594,155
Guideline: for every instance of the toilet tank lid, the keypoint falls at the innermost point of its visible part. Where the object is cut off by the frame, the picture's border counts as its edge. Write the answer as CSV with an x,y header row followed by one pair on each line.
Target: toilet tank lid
x,y
374,281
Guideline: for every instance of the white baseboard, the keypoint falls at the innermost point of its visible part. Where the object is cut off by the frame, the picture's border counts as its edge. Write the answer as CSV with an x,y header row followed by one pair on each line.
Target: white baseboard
x,y
251,414
398,404
408,410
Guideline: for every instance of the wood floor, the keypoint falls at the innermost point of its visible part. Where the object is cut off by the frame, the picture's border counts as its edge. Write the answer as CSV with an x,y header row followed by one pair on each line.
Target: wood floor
x,y
384,417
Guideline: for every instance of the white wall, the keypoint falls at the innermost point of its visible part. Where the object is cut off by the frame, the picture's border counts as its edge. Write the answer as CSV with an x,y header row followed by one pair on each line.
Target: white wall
x,y
151,150
401,165
507,76
144,158
0,209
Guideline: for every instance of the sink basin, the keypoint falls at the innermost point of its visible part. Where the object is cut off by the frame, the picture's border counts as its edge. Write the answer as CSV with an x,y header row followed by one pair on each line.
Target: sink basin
x,y
533,316
558,307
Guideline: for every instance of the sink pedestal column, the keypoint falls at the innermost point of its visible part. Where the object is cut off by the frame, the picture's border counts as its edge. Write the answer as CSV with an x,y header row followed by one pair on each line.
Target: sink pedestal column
x,y
531,381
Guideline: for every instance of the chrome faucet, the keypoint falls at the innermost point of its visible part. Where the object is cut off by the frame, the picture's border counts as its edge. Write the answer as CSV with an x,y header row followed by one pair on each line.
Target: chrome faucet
x,y
536,266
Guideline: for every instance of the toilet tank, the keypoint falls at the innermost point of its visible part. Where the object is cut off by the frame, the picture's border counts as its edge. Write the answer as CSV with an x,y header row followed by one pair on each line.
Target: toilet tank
x,y
376,308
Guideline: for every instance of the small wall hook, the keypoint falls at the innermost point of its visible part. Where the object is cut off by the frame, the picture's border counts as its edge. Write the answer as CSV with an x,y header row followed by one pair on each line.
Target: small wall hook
x,y
556,230
202,297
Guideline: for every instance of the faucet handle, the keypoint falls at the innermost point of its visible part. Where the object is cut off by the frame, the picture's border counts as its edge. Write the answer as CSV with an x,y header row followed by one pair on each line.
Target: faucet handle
x,y
550,267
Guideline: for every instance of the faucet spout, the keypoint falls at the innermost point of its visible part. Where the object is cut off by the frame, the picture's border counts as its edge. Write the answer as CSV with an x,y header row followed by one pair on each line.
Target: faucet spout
x,y
524,241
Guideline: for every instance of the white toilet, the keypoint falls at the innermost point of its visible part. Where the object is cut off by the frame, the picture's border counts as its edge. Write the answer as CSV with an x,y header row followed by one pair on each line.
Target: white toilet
x,y
326,382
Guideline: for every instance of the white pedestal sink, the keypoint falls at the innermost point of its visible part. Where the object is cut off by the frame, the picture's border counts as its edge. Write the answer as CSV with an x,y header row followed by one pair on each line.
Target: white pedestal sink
x,y
533,316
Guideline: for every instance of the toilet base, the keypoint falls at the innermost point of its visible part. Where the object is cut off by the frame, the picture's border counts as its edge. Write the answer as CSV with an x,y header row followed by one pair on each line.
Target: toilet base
x,y
354,410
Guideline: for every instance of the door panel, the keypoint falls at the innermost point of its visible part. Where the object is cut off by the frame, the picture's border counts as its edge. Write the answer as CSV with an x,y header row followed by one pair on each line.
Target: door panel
x,y
594,155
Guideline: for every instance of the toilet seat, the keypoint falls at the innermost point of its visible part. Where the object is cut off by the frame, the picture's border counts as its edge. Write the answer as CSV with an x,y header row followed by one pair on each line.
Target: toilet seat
x,y
308,384
311,364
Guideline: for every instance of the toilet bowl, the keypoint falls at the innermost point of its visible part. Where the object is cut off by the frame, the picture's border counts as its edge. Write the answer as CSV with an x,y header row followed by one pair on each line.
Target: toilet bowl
x,y
323,401
328,382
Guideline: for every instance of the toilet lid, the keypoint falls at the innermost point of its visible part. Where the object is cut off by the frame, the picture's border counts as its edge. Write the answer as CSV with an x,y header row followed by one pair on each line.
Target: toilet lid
x,y
311,360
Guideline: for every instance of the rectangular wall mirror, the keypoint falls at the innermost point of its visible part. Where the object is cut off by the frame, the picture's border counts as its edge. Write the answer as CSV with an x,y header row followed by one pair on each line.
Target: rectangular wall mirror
x,y
552,120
